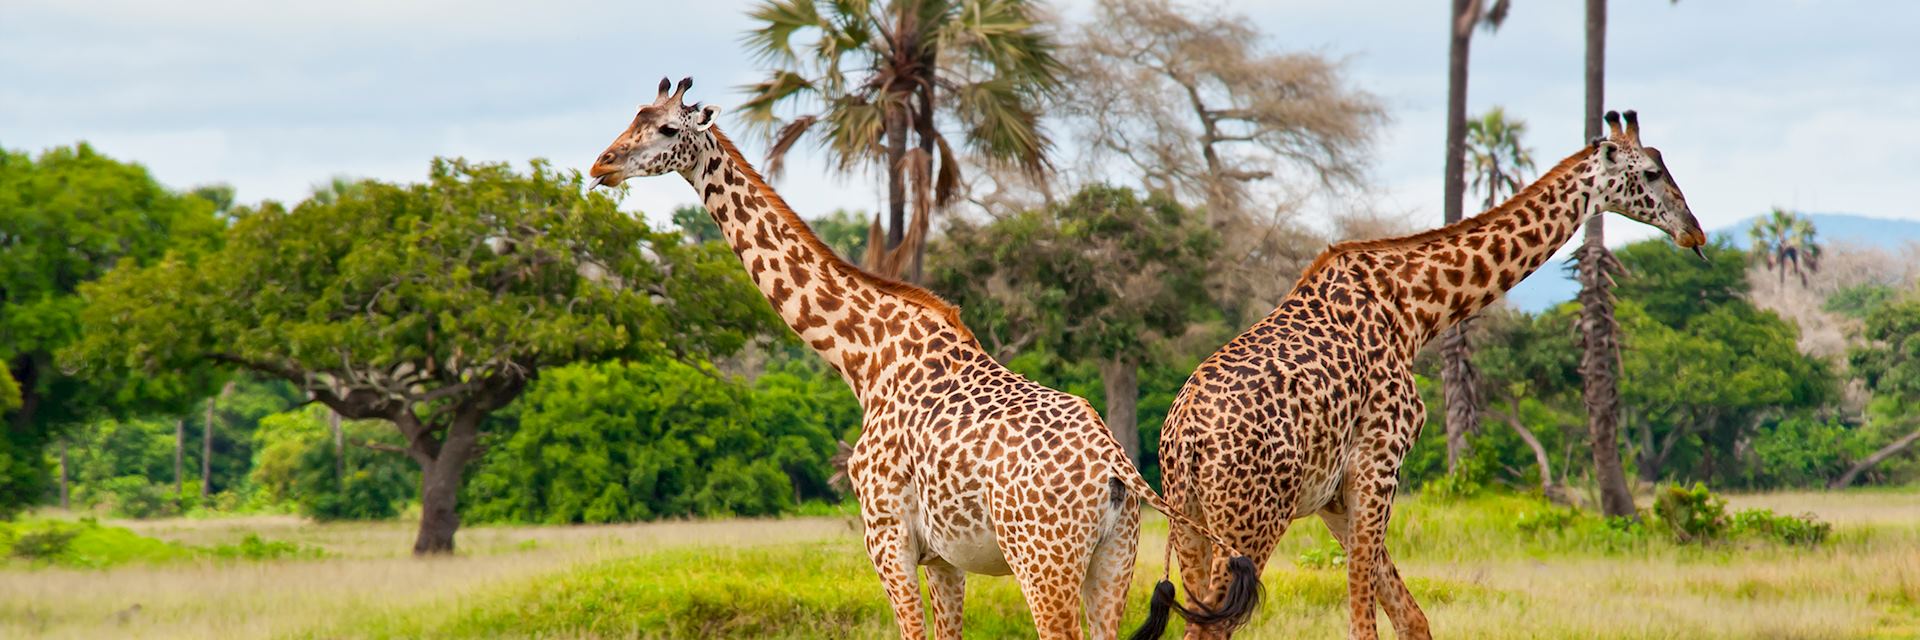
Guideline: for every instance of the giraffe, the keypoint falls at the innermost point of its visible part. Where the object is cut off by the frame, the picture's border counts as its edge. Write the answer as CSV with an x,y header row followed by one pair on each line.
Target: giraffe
x,y
963,466
1312,409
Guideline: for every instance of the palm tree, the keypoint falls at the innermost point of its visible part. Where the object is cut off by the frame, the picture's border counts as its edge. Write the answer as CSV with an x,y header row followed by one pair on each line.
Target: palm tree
x,y
1599,332
1500,162
1787,242
1462,405
878,78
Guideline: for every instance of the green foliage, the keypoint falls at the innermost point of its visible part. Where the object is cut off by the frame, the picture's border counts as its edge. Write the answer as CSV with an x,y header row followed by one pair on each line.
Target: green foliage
x,y
621,442
295,464
1671,285
1890,361
1100,275
1691,515
87,544
1804,530
1859,301
1801,451
253,547
1329,555
67,217
1696,516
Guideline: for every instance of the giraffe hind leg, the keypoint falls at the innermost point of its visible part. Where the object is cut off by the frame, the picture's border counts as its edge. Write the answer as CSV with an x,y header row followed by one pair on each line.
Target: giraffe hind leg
x,y
947,587
1110,570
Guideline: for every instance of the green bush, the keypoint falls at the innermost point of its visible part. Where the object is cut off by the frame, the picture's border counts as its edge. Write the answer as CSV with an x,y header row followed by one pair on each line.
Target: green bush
x,y
138,498
295,464
1691,515
1326,556
631,441
45,544
253,547
1549,520
1807,530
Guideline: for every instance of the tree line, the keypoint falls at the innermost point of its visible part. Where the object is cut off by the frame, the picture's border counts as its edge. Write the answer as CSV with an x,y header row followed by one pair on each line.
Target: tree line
x,y
498,344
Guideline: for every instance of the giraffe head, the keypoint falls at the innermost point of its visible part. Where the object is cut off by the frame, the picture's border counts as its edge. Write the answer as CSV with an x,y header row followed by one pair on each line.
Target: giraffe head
x,y
660,140
1631,179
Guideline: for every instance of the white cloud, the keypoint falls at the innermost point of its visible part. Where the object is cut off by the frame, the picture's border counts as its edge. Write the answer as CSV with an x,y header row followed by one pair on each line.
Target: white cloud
x,y
1779,102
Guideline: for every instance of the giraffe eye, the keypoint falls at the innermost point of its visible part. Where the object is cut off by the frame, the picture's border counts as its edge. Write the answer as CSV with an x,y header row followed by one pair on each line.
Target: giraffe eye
x,y
668,130
1651,174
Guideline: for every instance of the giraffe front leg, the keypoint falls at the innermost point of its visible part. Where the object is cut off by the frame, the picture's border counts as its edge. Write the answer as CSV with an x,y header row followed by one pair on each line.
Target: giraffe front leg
x,y
947,586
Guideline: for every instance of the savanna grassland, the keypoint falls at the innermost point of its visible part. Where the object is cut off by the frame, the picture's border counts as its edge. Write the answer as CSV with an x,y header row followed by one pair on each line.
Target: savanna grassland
x,y
1483,568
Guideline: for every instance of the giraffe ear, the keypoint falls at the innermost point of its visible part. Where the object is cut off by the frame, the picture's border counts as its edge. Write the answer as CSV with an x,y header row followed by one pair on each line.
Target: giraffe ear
x,y
704,120
1606,152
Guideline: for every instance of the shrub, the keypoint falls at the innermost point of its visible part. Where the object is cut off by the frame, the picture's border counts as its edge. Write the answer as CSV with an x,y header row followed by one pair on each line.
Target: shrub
x,y
1549,520
138,498
253,547
1805,529
1691,515
45,544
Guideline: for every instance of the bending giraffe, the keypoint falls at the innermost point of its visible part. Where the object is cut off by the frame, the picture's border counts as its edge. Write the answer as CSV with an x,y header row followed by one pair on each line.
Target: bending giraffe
x,y
963,466
1312,409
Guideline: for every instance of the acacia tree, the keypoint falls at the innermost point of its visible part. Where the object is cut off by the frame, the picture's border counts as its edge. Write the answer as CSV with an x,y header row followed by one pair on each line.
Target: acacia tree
x,y
878,78
1101,277
67,217
1786,242
427,306
1196,104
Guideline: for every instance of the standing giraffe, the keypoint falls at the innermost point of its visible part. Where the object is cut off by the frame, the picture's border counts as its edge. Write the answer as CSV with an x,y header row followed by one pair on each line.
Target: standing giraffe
x,y
963,466
1312,409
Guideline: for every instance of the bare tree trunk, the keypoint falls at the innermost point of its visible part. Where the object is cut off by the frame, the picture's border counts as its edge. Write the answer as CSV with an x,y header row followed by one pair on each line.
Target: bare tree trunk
x,y
1122,381
440,485
339,449
63,474
206,452
1600,334
1456,368
179,454
1853,473
1540,457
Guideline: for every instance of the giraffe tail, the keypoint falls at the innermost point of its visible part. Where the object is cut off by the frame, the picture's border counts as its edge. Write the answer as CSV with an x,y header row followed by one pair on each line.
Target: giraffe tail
x,y
1241,599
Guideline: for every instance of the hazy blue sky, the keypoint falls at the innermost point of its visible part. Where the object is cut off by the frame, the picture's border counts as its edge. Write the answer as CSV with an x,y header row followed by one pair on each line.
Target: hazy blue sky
x,y
1814,105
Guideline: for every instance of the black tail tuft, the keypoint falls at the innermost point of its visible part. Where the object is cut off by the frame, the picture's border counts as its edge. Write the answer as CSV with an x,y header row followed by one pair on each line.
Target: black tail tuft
x,y
1157,610
1242,599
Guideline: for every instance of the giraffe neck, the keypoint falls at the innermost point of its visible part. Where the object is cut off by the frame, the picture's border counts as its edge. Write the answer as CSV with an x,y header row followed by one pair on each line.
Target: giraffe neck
x,y
1442,277
859,323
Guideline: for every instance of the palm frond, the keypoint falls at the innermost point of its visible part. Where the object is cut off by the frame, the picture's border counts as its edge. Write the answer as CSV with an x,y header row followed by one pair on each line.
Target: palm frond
x,y
782,18
1003,124
783,141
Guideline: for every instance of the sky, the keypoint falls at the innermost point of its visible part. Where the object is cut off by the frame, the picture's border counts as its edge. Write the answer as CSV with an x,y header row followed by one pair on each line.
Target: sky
x,y
1812,105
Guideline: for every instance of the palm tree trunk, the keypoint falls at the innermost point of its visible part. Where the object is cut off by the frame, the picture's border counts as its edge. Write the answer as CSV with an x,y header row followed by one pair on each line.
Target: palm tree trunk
x,y
1456,354
1599,332
896,177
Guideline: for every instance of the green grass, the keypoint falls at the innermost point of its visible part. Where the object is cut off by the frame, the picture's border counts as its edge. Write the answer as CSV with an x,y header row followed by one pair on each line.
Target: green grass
x,y
87,544
1474,569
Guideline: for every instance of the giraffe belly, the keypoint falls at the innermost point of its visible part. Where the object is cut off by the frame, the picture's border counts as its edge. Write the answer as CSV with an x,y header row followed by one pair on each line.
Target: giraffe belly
x,y
974,550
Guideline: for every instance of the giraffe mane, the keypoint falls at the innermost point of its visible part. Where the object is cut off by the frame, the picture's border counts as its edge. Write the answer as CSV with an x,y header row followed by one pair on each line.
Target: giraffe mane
x,y
909,292
1464,225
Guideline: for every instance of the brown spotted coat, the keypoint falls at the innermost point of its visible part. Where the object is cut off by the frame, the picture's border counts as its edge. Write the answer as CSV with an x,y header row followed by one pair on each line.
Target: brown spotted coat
x,y
963,466
1311,410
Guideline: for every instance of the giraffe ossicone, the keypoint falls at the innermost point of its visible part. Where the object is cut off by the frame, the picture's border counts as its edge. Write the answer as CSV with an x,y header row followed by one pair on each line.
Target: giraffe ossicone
x,y
1312,409
962,466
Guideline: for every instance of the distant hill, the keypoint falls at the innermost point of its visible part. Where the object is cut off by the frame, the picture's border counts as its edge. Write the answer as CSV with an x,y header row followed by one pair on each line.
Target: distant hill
x,y
1552,284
